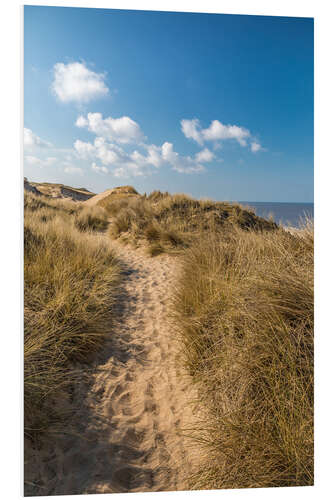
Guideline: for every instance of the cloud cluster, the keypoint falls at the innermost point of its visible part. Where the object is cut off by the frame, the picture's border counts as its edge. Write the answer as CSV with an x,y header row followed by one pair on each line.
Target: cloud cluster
x,y
74,82
107,147
119,146
123,130
99,170
216,132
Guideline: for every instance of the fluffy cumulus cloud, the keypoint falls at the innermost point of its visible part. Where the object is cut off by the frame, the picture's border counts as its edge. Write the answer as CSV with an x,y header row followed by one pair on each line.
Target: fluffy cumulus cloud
x,y
192,130
74,82
182,164
154,155
84,150
31,140
205,156
216,132
99,170
108,153
123,130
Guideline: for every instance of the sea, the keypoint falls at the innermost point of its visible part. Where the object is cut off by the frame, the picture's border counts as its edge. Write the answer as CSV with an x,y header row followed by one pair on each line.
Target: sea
x,y
285,214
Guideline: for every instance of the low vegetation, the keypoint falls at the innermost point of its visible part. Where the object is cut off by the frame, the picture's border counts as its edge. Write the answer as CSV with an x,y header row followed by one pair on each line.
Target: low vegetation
x,y
243,306
92,219
170,223
245,313
70,284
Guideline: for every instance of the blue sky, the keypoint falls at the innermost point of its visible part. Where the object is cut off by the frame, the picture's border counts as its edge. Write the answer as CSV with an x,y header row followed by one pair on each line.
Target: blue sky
x,y
217,106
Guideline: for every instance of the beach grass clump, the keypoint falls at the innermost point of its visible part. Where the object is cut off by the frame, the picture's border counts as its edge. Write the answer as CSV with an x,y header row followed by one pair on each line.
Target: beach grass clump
x,y
92,218
175,222
244,307
70,286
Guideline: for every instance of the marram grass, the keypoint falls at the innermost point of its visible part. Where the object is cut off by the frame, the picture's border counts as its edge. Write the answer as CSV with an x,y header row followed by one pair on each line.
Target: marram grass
x,y
244,307
70,285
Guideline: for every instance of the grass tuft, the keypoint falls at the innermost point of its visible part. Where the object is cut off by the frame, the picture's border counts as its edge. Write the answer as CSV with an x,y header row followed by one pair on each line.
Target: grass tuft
x,y
92,218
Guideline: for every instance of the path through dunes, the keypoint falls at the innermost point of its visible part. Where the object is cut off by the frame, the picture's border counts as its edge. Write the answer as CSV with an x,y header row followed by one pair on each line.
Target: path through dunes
x,y
131,420
146,400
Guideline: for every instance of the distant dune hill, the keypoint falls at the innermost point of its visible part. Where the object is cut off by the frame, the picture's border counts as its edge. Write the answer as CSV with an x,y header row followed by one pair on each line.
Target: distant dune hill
x,y
58,190
30,187
112,194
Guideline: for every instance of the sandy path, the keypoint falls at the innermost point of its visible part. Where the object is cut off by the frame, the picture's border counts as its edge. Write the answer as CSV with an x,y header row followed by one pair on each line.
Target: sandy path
x,y
131,422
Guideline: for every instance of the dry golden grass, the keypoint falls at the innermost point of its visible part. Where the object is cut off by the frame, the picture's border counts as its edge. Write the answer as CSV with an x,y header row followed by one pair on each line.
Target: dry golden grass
x,y
92,218
244,306
117,195
174,222
70,281
245,313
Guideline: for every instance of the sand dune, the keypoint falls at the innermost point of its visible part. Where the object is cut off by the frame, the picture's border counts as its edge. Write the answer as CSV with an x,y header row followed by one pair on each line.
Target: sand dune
x,y
98,197
130,418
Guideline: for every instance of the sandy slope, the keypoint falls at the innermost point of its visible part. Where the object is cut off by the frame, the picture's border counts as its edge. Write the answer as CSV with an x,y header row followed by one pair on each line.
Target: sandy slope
x,y
131,419
98,197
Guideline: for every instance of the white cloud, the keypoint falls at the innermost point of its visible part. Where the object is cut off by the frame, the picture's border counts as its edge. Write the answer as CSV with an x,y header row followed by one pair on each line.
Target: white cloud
x,y
81,122
255,146
168,153
138,158
73,170
190,129
107,152
112,134
216,131
205,156
154,155
129,169
112,155
121,172
136,163
84,149
99,170
34,160
182,164
122,130
31,140
74,82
